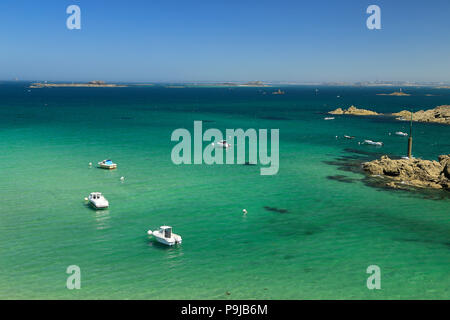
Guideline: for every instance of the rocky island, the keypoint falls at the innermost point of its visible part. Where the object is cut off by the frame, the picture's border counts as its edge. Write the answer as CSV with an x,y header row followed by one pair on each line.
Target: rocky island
x,y
90,84
396,94
404,173
354,111
439,114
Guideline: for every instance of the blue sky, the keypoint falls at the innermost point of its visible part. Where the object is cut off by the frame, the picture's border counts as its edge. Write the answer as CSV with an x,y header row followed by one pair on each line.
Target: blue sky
x,y
190,40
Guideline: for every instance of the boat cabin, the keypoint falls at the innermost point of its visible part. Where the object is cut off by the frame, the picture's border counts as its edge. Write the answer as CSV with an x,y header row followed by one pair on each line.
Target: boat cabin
x,y
96,195
166,231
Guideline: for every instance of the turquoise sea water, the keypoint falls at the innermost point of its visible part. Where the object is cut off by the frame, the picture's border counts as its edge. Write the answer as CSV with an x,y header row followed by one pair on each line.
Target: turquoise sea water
x,y
309,233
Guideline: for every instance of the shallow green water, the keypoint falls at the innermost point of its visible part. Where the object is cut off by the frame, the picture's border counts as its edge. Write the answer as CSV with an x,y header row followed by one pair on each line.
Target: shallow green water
x,y
316,243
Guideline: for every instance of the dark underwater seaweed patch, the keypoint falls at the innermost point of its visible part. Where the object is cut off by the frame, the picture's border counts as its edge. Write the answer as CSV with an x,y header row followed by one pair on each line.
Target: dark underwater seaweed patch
x,y
275,118
342,178
427,241
273,209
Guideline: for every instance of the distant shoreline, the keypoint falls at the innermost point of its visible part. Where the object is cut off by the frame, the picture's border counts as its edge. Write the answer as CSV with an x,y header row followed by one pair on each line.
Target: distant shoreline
x,y
250,84
38,85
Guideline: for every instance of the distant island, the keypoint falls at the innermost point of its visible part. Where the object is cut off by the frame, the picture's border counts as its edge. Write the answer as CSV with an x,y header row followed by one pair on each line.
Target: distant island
x,y
354,111
440,114
278,92
396,94
90,84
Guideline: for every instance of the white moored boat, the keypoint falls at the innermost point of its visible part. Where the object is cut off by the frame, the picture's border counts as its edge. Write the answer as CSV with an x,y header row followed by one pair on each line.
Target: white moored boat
x,y
373,143
107,164
403,134
222,144
98,201
328,118
165,236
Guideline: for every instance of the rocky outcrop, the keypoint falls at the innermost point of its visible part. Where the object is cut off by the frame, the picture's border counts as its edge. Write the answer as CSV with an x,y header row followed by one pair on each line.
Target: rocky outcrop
x,y
444,160
439,114
354,111
412,172
395,94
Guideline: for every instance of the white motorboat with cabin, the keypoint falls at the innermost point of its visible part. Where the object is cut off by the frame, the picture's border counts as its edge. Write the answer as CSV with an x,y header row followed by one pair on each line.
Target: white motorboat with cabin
x,y
107,164
165,236
98,201
403,134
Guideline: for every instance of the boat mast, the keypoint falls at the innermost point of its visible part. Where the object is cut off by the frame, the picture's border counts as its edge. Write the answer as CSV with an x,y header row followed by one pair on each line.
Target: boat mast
x,y
410,137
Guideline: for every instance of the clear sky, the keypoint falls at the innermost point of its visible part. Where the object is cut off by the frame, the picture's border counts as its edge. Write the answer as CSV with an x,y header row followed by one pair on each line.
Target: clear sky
x,y
232,40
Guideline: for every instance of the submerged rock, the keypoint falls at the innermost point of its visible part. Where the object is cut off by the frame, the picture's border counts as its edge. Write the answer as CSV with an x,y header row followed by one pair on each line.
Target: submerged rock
x,y
412,172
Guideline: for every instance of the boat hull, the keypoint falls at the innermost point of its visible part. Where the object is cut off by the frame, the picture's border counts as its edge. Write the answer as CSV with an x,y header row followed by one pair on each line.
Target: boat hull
x,y
99,207
109,167
175,239
166,242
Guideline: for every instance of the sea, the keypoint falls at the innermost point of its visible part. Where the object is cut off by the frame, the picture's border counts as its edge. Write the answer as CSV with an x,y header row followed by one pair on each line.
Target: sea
x,y
312,231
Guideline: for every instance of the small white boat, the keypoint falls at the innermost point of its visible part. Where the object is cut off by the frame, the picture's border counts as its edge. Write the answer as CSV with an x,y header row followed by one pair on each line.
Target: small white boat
x,y
328,118
98,201
349,137
165,236
403,134
222,144
373,143
107,164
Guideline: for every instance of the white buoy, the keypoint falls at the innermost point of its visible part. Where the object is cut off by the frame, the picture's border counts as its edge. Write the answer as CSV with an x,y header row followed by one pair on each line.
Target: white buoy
x,y
85,199
90,164
149,232
244,211
122,178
